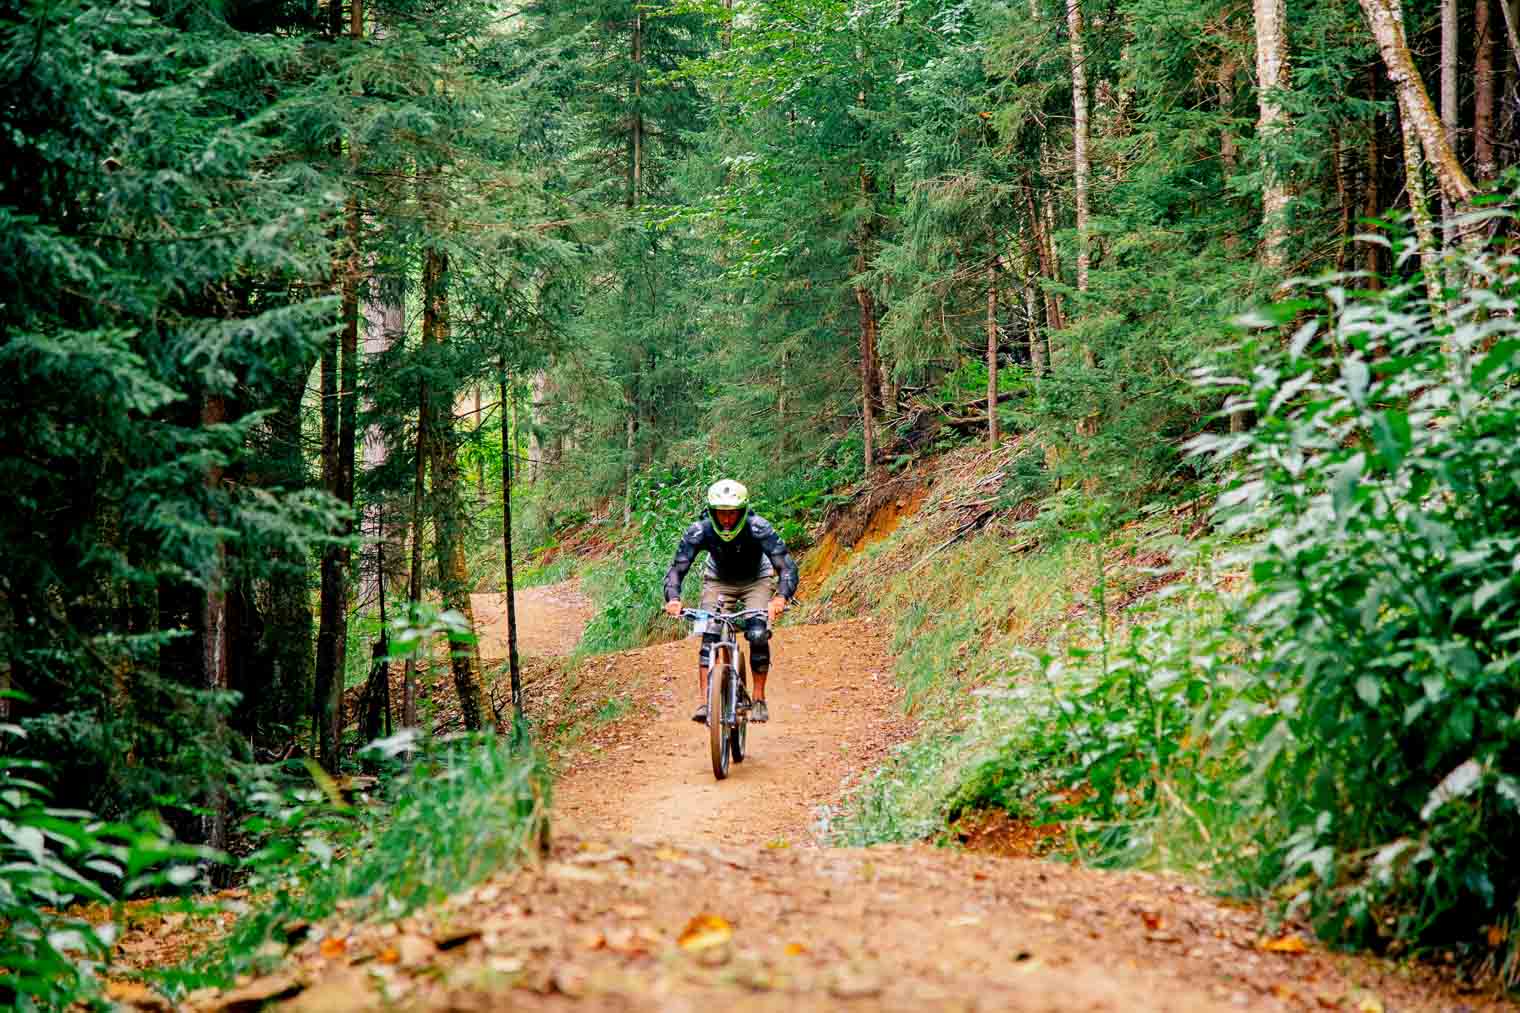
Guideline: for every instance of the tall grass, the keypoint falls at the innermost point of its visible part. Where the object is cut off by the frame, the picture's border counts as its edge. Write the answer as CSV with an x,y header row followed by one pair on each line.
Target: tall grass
x,y
448,814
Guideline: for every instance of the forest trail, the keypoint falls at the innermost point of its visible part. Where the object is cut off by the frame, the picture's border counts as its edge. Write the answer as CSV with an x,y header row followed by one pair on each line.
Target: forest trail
x,y
667,890
835,710
550,618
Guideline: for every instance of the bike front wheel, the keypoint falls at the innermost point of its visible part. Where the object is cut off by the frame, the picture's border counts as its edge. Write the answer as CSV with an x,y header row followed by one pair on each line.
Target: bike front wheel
x,y
718,676
737,736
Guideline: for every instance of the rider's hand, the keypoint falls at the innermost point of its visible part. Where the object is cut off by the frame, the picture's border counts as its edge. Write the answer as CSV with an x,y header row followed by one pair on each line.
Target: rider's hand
x,y
777,606
673,608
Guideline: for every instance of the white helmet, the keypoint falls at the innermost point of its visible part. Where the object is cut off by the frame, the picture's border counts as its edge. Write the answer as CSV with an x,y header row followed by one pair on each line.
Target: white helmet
x,y
726,495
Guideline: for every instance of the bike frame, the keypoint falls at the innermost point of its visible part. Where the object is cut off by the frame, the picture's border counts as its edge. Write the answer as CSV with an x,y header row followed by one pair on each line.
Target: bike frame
x,y
727,719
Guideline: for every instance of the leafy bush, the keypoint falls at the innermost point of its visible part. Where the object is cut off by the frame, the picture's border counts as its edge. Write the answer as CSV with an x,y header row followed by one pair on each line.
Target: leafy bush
x,y
1118,741
52,859
1383,476
447,814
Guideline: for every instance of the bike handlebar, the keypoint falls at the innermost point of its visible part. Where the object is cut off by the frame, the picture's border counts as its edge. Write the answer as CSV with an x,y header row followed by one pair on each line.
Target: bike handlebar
x,y
696,614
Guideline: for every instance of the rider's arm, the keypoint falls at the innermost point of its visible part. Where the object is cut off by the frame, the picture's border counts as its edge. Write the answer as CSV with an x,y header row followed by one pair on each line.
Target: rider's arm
x,y
781,559
686,552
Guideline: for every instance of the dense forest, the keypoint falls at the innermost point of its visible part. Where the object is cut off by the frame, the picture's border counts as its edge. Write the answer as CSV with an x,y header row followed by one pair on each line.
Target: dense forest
x,y
301,296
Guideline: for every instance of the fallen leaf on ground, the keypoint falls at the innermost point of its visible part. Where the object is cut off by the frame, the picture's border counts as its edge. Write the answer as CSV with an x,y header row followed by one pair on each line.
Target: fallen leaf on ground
x,y
333,946
1152,920
1286,944
705,931
795,949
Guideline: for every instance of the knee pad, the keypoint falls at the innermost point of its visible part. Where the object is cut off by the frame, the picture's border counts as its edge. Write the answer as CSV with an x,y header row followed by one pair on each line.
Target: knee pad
x,y
759,637
704,655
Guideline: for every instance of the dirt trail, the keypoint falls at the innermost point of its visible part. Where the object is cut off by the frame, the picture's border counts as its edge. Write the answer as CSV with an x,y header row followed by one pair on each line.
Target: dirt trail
x,y
667,890
834,709
550,619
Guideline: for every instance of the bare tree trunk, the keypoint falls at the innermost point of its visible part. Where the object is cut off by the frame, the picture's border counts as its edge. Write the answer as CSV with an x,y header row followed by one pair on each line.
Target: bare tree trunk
x,y
1386,19
215,641
1043,255
1372,203
1036,332
510,584
1343,200
1080,165
631,427
1449,118
1229,147
1484,162
992,352
414,580
332,611
448,512
869,383
870,369
540,390
1509,30
1419,208
1271,122
636,189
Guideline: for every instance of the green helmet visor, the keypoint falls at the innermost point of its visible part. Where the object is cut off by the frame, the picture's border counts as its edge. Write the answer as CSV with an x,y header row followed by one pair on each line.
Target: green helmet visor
x,y
728,521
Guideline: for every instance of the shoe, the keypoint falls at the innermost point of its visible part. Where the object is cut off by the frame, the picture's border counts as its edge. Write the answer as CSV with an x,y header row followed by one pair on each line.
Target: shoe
x,y
759,713
700,717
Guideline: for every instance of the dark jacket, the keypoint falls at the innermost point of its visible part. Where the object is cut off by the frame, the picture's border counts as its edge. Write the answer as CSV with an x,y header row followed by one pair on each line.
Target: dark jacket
x,y
757,551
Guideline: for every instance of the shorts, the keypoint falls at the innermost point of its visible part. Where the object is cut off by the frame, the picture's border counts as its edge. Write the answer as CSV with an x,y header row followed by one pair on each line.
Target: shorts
x,y
754,594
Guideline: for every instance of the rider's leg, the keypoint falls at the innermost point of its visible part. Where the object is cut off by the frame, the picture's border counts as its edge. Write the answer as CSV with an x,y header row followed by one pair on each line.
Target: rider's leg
x,y
758,633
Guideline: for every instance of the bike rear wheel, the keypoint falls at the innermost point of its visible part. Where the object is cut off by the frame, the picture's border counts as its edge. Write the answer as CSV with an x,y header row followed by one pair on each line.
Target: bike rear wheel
x,y
718,676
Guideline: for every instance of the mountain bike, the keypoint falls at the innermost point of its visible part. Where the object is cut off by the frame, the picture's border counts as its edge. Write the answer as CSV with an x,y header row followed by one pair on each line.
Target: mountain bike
x,y
727,685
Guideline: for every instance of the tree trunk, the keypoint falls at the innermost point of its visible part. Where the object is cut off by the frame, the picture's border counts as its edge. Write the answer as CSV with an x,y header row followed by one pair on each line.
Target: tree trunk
x,y
448,509
992,353
1229,147
1419,208
414,579
1385,17
1509,30
1271,122
1036,333
506,555
1372,199
636,133
215,642
540,391
869,384
1046,262
1449,117
1484,162
1080,166
630,427
332,621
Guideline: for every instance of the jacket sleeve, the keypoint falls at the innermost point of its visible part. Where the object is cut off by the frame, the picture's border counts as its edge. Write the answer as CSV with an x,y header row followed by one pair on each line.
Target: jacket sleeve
x,y
781,559
686,552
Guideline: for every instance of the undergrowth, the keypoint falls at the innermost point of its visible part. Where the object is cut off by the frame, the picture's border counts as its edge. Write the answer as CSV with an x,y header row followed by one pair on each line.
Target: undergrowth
x,y
1339,734
445,814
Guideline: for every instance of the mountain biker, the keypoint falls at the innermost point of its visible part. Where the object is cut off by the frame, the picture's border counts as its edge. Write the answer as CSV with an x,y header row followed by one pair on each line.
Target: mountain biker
x,y
747,562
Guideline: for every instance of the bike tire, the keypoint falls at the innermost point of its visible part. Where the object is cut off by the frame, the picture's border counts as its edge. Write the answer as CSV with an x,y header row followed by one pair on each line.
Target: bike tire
x,y
717,731
738,736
